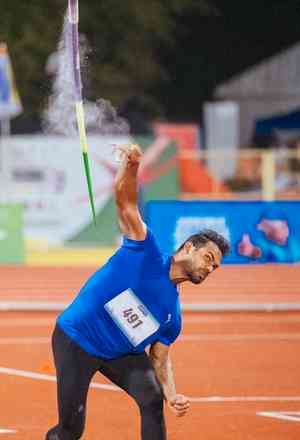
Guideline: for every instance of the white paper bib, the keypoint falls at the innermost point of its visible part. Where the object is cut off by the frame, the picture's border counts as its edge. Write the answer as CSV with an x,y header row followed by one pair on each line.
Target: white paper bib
x,y
132,317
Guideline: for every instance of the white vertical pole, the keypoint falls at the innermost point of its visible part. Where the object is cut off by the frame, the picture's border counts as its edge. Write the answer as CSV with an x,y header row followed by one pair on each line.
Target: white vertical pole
x,y
268,175
5,127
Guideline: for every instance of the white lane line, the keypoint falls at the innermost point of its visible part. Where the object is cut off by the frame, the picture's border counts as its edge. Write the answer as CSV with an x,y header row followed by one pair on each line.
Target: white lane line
x,y
220,399
224,319
7,431
25,340
32,306
36,322
108,387
49,378
35,297
241,307
238,338
38,305
291,416
27,322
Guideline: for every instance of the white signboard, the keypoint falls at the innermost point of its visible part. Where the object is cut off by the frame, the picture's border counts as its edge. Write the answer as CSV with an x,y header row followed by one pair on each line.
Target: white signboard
x,y
46,174
187,226
221,121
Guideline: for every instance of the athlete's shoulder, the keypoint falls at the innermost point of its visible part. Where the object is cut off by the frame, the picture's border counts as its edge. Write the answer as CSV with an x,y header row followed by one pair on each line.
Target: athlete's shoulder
x,y
148,242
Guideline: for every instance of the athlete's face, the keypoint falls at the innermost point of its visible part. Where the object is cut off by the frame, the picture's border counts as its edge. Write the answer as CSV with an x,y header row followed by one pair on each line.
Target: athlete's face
x,y
199,263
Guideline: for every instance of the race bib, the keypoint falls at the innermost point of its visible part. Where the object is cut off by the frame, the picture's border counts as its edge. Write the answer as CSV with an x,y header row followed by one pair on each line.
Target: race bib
x,y
132,317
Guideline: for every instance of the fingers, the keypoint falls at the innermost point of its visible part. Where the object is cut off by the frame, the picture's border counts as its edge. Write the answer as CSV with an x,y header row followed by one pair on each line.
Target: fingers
x,y
129,148
130,153
181,411
180,405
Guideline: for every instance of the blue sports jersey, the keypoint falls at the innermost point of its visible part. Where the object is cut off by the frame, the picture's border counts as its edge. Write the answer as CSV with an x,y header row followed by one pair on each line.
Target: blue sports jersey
x,y
127,304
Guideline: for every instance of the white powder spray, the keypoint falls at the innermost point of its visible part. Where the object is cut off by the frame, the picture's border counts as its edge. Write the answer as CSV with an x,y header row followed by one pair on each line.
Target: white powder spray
x,y
60,117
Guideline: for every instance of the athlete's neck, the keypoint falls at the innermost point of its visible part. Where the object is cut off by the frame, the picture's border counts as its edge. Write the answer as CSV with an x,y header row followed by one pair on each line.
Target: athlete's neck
x,y
176,273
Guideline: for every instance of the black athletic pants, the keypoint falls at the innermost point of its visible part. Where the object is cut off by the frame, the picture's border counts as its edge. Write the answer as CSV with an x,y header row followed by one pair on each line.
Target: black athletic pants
x,y
75,369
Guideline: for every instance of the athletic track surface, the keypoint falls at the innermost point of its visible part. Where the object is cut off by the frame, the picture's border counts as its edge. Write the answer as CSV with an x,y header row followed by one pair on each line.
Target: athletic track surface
x,y
241,370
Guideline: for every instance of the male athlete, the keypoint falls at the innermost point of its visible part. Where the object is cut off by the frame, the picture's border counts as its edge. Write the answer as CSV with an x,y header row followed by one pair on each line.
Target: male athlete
x,y
130,303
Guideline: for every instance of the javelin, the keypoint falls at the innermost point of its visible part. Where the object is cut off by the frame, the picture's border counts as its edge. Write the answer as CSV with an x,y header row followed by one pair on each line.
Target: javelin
x,y
73,22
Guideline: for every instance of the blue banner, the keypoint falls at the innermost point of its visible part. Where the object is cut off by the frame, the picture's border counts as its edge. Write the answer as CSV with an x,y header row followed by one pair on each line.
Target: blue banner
x,y
10,104
259,232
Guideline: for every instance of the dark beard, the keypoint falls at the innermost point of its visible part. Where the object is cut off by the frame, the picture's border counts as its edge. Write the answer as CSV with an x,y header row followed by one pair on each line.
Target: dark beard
x,y
194,279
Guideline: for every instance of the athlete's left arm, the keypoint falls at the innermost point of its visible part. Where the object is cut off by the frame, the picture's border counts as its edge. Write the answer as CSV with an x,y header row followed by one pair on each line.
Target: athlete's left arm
x,y
161,361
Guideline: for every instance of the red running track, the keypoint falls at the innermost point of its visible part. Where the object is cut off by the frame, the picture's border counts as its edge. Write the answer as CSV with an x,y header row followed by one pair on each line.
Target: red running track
x,y
243,284
235,367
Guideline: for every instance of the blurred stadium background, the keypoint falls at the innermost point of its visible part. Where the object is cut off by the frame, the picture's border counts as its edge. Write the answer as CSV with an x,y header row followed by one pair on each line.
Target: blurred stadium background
x,y
233,133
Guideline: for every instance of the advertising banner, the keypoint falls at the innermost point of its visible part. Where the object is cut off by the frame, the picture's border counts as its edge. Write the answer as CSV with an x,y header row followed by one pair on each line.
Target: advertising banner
x,y
11,234
46,175
10,104
194,177
157,180
259,232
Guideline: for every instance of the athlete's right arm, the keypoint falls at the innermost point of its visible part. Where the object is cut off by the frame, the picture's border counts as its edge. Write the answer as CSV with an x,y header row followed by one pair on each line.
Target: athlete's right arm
x,y
126,193
161,362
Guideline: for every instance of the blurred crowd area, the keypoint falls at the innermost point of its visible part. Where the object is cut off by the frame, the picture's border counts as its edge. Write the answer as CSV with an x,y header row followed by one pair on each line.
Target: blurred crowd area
x,y
258,174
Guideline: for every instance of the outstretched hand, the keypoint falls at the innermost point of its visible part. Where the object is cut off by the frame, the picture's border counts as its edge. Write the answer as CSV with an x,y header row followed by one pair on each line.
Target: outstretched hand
x,y
130,154
179,405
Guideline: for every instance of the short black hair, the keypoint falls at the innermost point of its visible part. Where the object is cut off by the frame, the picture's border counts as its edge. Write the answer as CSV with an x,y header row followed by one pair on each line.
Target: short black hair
x,y
203,237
